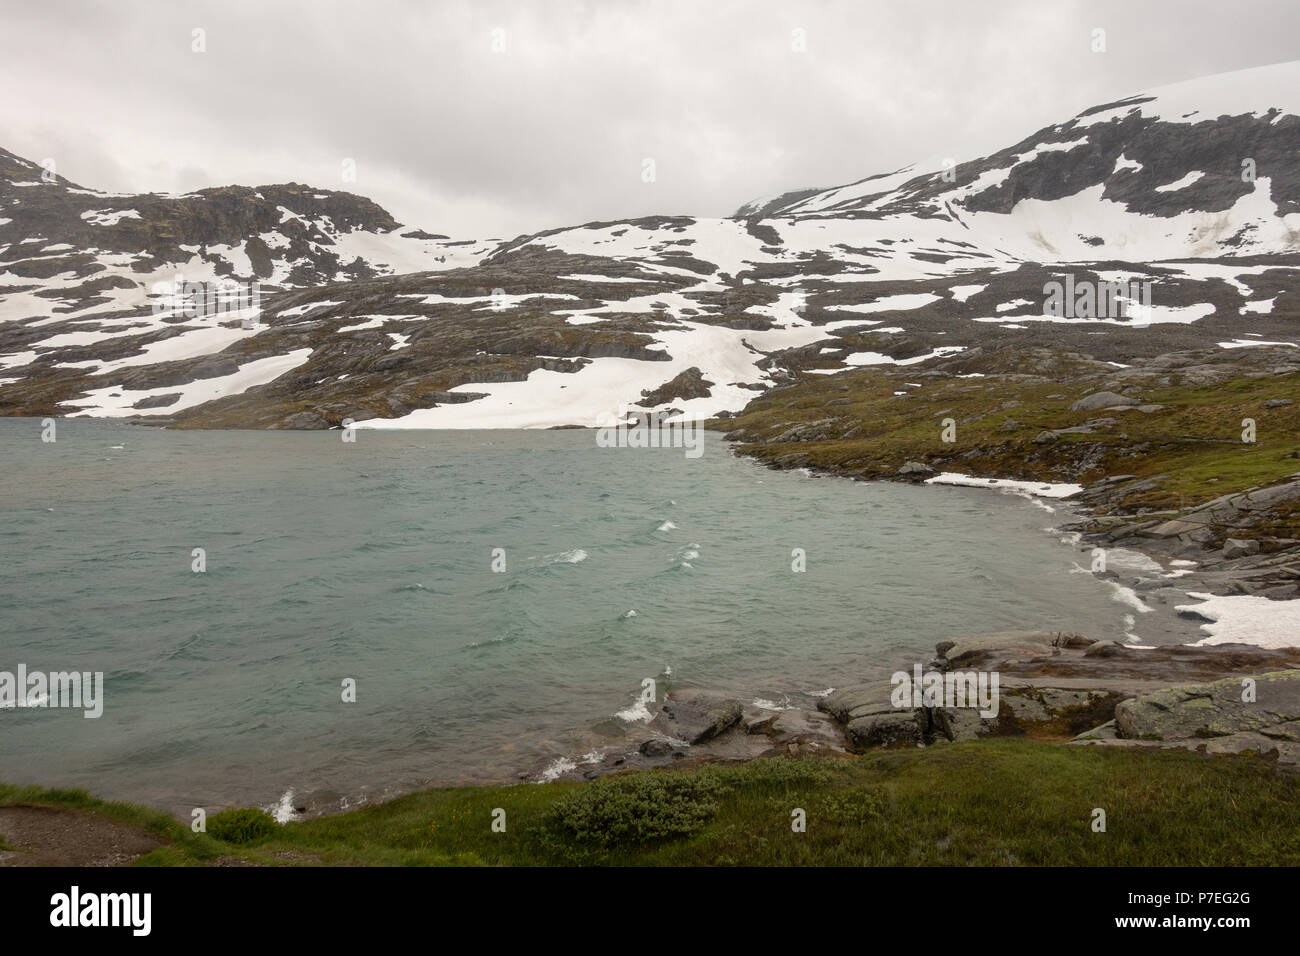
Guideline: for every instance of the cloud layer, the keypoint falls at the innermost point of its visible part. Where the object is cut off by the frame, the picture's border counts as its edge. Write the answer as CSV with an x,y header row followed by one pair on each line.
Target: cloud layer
x,y
494,119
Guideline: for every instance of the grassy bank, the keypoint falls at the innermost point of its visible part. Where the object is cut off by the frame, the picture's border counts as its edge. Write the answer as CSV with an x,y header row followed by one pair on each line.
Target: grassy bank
x,y
868,423
990,802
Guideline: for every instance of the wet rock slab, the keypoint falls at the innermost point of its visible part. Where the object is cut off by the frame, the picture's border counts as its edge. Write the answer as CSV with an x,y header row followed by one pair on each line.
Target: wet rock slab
x,y
696,718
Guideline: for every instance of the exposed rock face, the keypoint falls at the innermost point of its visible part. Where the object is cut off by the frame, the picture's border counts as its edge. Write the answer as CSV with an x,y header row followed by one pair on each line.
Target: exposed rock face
x,y
888,729
656,747
286,235
1004,649
696,718
1272,708
1102,400
689,384
1065,686
1259,713
1232,511
858,700
1237,548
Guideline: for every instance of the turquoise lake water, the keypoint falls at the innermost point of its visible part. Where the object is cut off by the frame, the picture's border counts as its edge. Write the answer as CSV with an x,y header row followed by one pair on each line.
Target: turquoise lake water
x,y
373,561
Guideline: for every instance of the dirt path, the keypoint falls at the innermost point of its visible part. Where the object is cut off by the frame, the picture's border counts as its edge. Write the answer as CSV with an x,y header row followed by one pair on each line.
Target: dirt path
x,y
49,836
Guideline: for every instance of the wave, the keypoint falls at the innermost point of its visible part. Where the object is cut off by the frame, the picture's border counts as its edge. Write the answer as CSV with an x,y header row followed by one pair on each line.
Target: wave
x,y
282,809
556,768
415,587
773,705
565,557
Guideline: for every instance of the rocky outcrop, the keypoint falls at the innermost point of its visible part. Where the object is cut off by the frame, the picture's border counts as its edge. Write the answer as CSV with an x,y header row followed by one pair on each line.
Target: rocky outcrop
x,y
1230,511
1101,400
1254,713
1237,548
1266,704
1067,687
696,718
689,384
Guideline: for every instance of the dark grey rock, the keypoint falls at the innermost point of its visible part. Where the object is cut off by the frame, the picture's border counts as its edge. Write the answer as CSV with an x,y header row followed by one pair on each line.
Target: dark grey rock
x,y
1215,710
883,730
1240,547
656,747
696,718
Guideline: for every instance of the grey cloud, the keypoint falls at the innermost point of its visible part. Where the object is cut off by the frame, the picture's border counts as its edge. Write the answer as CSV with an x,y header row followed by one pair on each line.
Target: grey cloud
x,y
456,138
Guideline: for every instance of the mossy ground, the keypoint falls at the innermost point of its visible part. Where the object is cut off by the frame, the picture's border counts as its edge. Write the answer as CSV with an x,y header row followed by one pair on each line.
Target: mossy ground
x,y
1195,441
990,802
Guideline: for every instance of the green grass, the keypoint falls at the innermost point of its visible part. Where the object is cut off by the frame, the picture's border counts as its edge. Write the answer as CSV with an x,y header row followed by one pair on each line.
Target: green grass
x,y
1195,441
991,802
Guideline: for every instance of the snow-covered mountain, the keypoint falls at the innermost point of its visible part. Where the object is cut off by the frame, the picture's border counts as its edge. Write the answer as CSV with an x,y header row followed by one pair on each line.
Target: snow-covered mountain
x,y
1192,189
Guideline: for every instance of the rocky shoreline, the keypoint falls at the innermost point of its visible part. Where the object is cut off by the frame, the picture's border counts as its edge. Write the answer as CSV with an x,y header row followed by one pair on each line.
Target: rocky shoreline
x,y
1053,686
1065,687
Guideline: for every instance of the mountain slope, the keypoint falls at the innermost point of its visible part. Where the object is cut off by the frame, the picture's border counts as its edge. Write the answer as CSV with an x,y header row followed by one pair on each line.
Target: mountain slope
x,y
675,313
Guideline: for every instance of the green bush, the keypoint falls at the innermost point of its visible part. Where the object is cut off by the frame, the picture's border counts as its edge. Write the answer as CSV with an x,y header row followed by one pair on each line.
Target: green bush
x,y
635,809
856,806
779,773
244,825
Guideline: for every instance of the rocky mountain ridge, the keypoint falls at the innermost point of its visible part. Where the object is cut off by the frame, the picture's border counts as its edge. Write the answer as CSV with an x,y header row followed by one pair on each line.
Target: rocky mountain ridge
x,y
1190,193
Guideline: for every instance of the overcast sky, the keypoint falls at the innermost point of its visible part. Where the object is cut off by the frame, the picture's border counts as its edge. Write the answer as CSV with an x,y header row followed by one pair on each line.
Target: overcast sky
x,y
456,135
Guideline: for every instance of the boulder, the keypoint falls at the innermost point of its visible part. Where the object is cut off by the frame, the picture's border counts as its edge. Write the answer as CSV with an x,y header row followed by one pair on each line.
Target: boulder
x,y
1102,400
960,723
1004,645
1240,547
883,730
858,700
1200,711
696,718
915,468
1104,732
763,722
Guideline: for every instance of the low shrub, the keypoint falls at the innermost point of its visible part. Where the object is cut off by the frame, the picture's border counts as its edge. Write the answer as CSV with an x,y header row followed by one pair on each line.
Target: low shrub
x,y
635,809
244,825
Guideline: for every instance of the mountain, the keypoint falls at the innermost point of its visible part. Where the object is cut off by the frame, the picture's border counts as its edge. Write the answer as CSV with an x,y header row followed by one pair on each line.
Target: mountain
x,y
1180,207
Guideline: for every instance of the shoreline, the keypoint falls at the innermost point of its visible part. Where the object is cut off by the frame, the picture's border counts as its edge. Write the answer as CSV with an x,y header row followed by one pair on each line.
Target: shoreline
x,y
799,729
